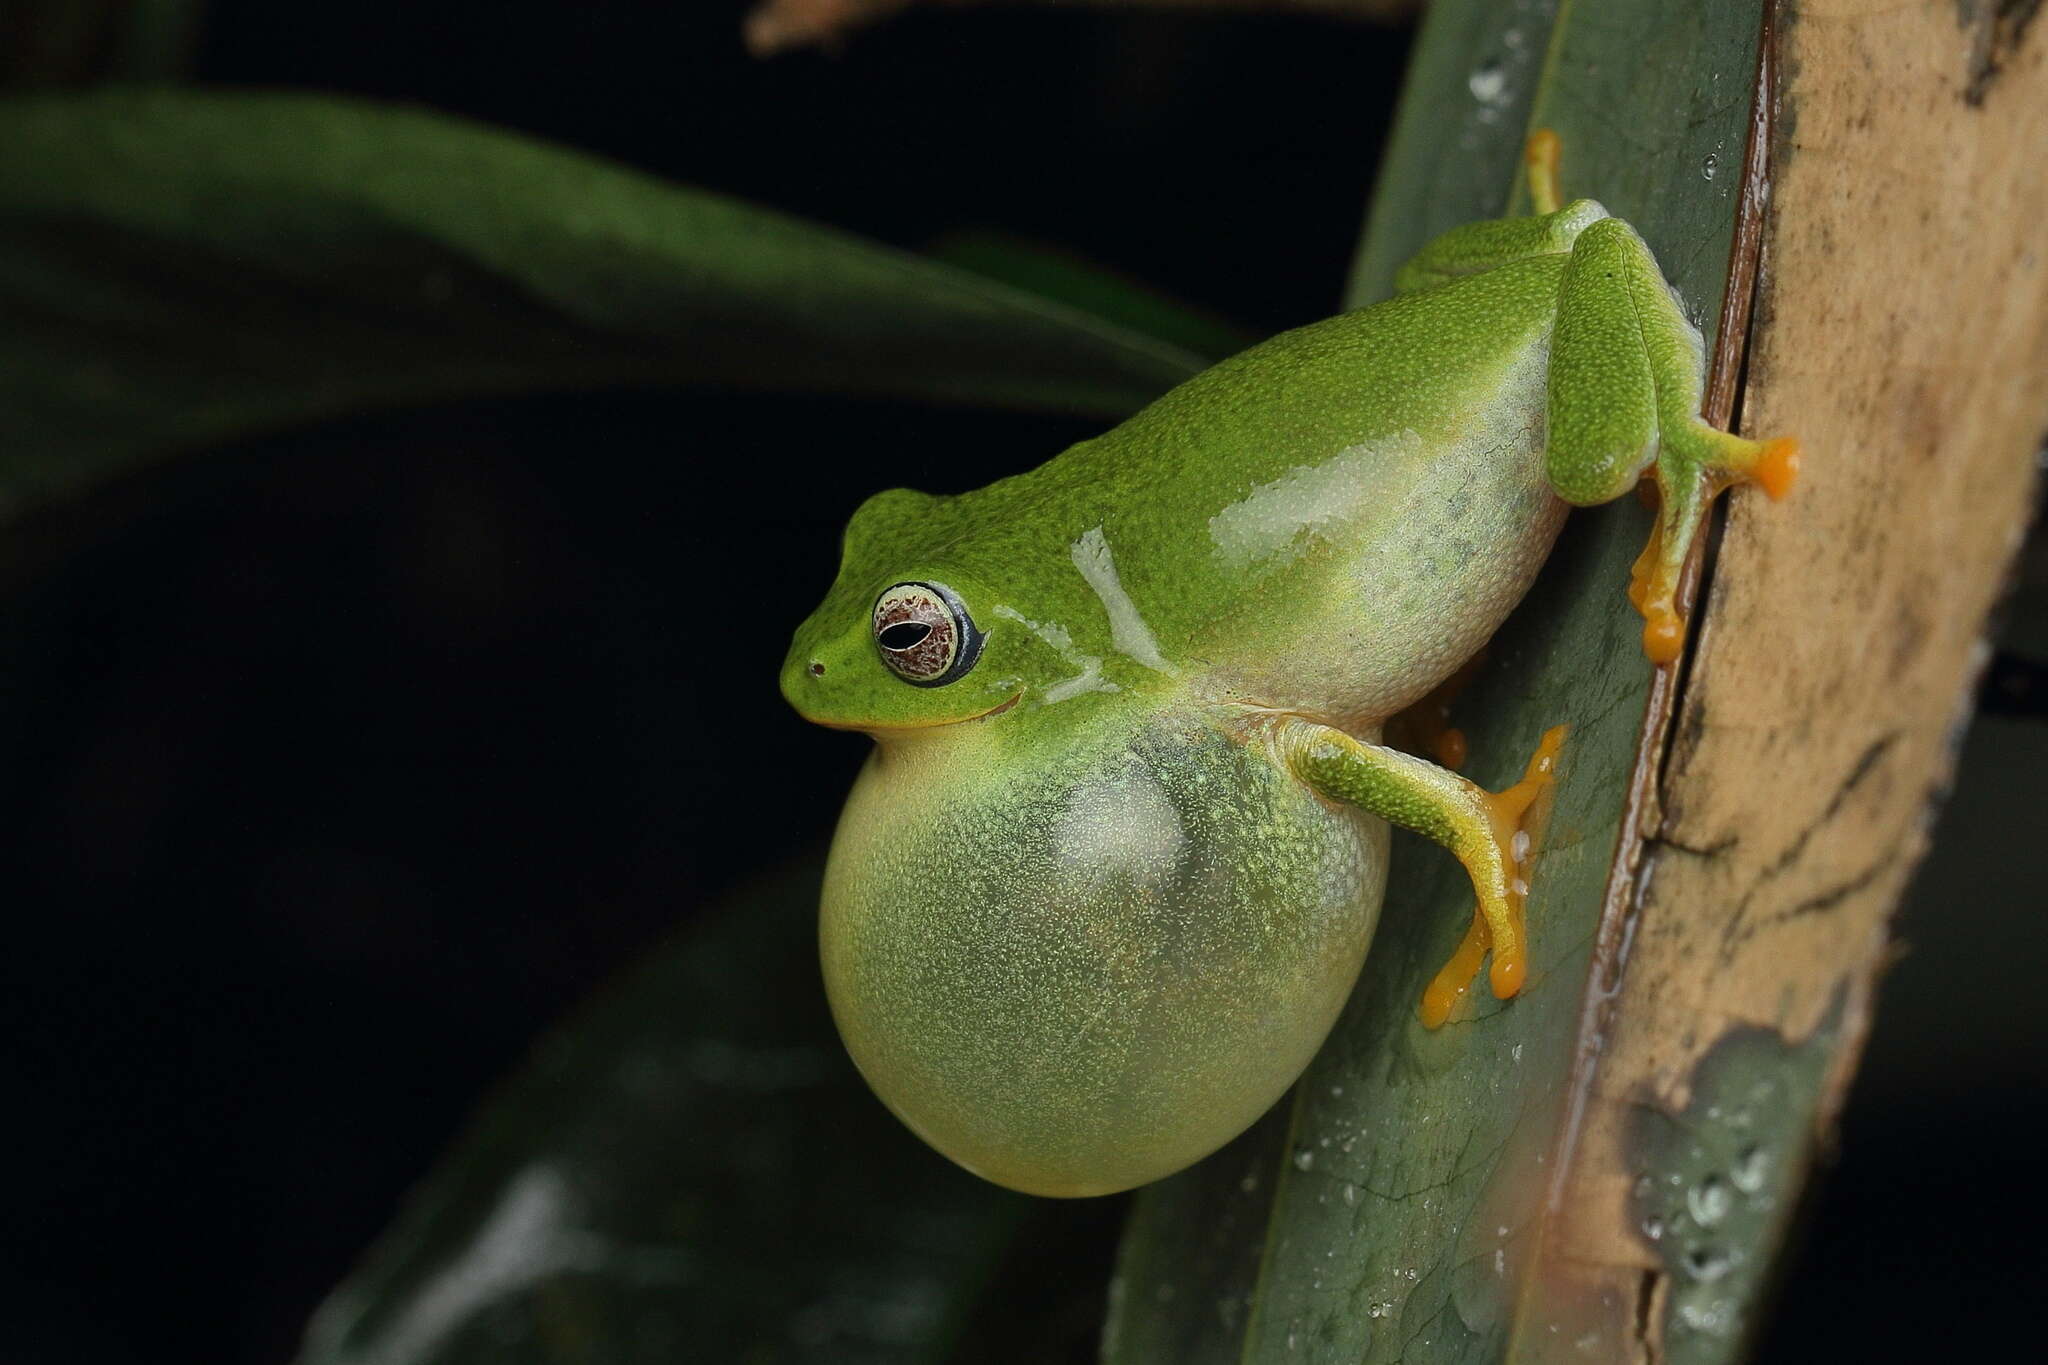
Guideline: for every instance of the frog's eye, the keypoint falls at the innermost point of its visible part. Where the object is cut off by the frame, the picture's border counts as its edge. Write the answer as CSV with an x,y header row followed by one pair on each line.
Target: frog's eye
x,y
924,634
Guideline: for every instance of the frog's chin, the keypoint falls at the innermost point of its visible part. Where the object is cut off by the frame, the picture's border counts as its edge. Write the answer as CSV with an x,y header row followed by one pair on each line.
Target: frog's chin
x,y
916,729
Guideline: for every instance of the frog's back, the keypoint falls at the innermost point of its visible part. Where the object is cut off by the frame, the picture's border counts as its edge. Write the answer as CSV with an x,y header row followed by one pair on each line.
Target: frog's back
x,y
1317,523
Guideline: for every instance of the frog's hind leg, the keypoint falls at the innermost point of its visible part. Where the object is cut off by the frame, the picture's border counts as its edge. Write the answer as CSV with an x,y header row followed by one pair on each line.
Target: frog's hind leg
x,y
1626,374
1487,831
1473,248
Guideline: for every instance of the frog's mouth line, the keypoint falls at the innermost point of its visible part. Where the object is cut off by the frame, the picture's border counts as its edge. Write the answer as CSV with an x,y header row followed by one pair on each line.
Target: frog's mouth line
x,y
921,726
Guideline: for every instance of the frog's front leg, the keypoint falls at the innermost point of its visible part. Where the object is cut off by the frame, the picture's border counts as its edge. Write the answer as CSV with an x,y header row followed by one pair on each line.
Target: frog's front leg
x,y
1483,829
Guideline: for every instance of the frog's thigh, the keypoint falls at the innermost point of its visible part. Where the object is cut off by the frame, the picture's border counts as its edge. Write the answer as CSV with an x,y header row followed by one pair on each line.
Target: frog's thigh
x,y
1606,375
1478,826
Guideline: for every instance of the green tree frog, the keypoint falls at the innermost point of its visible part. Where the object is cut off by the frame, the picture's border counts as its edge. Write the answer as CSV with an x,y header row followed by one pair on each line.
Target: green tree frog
x,y
1114,862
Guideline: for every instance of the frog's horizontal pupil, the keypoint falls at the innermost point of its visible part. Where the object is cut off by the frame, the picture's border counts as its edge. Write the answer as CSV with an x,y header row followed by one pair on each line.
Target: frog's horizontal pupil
x,y
905,635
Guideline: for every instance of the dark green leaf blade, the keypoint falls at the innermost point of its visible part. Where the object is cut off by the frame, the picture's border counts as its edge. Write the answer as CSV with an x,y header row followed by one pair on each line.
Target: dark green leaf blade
x,y
1052,273
689,1169
1190,1258
1410,1188
178,268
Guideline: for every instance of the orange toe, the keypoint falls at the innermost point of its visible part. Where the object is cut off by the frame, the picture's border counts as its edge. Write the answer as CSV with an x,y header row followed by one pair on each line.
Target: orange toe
x,y
1456,976
1663,634
1777,468
1507,973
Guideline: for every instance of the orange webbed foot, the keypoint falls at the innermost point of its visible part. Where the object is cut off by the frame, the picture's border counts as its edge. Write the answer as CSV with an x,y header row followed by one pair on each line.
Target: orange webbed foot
x,y
1499,922
1771,465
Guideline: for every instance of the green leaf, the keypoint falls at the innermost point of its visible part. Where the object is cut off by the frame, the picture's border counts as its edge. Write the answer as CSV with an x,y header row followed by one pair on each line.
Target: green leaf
x,y
181,268
1052,273
689,1169
1407,1192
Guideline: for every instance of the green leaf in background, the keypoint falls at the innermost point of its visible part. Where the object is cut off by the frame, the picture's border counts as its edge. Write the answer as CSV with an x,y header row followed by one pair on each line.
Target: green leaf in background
x,y
689,1169
1052,273
179,268
1405,1214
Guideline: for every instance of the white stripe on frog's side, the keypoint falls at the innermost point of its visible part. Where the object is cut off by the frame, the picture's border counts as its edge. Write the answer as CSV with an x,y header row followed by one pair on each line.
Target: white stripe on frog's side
x,y
1056,636
1127,629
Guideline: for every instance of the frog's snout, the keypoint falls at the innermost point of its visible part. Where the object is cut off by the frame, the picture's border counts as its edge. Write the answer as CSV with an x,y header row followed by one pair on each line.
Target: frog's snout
x,y
837,683
804,680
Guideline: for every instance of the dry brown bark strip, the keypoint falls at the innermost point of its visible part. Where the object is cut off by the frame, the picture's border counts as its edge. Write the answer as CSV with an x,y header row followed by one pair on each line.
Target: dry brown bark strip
x,y
1902,333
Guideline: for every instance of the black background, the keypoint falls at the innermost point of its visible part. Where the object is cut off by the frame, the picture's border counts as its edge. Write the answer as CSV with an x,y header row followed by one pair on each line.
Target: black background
x,y
338,764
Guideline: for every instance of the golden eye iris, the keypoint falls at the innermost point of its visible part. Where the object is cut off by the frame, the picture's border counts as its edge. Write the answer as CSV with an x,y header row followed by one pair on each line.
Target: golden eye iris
x,y
924,634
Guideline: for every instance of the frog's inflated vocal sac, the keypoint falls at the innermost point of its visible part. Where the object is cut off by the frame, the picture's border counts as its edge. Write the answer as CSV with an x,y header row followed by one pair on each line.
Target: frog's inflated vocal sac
x,y
1114,863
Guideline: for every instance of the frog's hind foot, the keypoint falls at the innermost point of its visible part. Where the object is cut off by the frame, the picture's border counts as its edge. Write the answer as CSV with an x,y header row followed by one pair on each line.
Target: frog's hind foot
x,y
1688,475
1425,728
1540,157
1498,919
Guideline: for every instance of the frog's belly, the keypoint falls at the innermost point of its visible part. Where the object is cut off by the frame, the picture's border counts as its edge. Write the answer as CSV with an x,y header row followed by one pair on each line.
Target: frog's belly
x,y
1080,973
1399,556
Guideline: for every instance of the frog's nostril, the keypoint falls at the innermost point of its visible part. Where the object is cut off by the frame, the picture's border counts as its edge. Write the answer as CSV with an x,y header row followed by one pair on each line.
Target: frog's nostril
x,y
817,670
